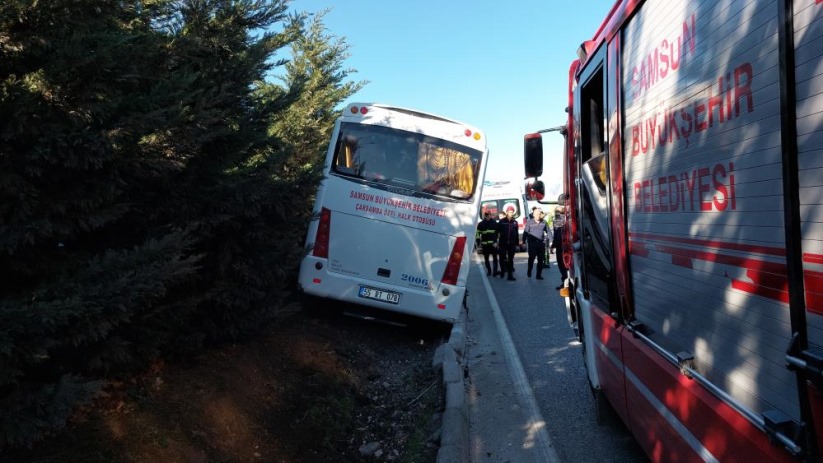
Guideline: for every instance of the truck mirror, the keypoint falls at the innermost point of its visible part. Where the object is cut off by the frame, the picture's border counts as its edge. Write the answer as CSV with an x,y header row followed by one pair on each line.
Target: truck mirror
x,y
533,154
535,191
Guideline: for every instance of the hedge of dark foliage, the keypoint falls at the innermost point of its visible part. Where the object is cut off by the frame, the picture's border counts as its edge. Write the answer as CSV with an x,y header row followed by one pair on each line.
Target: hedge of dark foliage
x,y
155,185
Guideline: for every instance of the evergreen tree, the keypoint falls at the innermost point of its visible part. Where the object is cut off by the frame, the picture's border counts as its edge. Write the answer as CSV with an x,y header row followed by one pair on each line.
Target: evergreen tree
x,y
142,201
318,69
74,79
317,74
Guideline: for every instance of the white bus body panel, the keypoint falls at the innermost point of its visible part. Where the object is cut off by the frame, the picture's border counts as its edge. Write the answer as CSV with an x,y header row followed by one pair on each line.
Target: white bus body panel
x,y
372,245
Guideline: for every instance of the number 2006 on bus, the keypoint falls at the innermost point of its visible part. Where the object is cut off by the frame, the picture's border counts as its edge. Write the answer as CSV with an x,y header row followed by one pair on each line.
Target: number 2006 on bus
x,y
379,295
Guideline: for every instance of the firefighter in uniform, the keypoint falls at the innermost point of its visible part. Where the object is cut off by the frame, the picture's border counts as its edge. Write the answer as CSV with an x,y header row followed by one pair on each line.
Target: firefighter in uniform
x,y
487,235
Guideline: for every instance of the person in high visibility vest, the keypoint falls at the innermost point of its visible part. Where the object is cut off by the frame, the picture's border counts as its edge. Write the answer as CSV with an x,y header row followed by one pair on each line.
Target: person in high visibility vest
x,y
487,235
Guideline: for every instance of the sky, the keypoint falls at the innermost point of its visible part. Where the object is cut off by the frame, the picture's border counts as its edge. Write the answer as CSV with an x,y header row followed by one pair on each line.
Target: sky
x,y
501,66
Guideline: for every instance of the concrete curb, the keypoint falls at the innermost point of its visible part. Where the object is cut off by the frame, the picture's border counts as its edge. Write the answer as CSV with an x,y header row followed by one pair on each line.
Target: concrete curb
x,y
447,362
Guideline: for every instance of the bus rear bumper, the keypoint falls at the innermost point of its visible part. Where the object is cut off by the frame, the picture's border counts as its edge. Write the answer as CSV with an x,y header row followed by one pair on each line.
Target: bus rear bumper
x,y
432,305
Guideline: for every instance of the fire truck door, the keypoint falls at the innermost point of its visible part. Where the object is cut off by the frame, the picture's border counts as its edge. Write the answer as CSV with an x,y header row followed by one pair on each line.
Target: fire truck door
x,y
594,209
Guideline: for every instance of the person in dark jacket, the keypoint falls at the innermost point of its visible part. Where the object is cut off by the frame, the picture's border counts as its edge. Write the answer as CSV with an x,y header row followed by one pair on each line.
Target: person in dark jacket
x,y
535,235
487,235
507,244
557,243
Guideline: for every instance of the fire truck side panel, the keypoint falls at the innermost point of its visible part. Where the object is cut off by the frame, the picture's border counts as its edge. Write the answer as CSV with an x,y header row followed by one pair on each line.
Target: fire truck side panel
x,y
808,38
656,427
678,420
728,330
609,359
808,41
702,160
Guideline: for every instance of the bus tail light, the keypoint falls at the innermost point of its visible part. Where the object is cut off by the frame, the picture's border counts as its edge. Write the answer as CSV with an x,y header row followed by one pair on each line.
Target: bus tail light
x,y
321,239
455,260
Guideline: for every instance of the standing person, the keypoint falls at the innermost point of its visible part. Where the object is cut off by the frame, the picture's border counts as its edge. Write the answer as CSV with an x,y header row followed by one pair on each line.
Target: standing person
x,y
500,216
548,254
507,244
487,233
535,235
557,243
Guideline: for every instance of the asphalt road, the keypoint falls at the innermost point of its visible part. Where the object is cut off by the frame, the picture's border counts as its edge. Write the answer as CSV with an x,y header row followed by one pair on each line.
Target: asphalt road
x,y
552,361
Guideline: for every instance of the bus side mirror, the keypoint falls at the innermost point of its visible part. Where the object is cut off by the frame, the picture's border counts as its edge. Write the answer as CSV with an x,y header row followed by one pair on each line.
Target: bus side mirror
x,y
533,154
535,191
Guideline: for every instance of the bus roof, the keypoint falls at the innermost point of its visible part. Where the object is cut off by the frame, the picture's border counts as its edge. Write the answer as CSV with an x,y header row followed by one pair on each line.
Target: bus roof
x,y
415,121
411,112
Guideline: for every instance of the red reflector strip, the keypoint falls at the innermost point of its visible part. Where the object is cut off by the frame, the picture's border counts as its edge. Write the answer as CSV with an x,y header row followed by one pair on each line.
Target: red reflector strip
x,y
316,280
441,306
455,261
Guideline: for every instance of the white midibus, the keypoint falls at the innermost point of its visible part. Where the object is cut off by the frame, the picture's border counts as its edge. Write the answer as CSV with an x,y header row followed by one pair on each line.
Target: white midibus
x,y
395,216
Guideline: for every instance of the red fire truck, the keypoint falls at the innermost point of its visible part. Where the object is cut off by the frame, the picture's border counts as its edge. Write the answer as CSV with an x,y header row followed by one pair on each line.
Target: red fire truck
x,y
694,198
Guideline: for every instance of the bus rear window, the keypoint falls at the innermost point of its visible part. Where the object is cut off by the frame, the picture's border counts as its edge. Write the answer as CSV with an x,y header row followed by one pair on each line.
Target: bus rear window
x,y
406,159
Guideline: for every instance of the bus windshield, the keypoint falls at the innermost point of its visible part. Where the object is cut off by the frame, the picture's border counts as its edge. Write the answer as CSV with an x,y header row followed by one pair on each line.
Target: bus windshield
x,y
409,160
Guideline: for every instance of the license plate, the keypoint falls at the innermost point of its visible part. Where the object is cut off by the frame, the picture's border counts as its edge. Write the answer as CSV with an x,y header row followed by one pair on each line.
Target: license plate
x,y
379,295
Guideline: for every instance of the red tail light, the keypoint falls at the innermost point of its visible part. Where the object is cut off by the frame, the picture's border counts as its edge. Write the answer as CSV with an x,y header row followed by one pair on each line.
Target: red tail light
x,y
455,260
321,239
